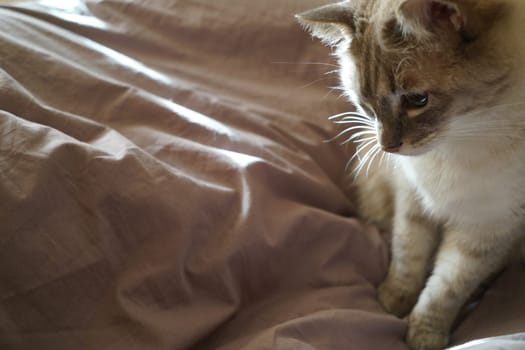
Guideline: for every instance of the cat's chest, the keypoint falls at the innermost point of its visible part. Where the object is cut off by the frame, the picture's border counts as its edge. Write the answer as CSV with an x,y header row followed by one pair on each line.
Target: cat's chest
x,y
459,192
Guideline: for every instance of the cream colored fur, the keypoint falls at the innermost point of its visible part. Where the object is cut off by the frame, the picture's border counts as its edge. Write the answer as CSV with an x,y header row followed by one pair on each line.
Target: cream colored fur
x,y
475,188
462,202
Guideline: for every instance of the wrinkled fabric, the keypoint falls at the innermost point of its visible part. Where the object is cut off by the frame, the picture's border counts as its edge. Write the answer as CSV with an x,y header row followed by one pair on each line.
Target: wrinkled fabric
x,y
509,342
168,181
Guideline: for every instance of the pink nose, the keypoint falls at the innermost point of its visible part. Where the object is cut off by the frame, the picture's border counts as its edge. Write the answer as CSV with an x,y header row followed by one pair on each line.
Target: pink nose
x,y
392,149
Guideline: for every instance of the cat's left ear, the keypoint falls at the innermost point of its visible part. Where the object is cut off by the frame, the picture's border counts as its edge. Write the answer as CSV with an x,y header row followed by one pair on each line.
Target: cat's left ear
x,y
421,17
330,23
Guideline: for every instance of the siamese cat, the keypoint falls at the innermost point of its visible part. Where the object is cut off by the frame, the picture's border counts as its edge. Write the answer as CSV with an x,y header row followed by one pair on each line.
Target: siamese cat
x,y
439,92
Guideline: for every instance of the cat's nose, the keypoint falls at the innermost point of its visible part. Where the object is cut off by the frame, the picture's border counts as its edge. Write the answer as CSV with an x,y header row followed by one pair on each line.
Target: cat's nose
x,y
393,148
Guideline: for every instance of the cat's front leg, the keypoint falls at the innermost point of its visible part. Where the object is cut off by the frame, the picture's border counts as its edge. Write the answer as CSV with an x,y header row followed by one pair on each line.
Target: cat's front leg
x,y
413,241
465,259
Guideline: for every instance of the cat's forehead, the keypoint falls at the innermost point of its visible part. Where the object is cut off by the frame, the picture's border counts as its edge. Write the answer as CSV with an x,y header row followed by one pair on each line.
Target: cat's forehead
x,y
388,62
379,71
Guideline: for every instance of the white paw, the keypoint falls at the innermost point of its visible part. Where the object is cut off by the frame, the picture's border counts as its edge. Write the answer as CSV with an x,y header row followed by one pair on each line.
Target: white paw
x,y
426,334
395,299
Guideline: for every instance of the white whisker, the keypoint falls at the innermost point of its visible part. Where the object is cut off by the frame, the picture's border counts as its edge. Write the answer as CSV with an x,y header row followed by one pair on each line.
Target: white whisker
x,y
366,144
338,88
355,114
332,72
366,131
357,153
351,121
378,150
345,131
357,120
358,141
363,129
360,119
382,158
364,160
362,133
335,116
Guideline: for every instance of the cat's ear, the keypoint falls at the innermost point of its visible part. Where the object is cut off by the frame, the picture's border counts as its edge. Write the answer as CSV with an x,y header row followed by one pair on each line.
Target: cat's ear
x,y
330,23
421,17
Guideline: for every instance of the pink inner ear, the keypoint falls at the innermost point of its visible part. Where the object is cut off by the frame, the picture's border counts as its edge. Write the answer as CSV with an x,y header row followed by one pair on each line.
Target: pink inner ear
x,y
442,12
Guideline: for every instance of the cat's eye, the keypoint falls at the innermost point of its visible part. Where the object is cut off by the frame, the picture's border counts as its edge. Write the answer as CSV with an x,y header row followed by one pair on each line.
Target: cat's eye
x,y
413,101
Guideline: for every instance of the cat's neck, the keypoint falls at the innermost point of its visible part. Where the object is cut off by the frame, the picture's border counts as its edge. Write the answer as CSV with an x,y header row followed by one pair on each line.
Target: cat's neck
x,y
473,155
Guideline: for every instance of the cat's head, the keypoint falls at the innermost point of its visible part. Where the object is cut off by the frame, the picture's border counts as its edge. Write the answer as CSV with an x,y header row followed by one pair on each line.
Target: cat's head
x,y
416,66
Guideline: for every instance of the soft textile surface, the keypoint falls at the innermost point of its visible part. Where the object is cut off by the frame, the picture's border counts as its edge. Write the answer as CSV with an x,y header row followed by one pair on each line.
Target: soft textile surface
x,y
510,342
165,184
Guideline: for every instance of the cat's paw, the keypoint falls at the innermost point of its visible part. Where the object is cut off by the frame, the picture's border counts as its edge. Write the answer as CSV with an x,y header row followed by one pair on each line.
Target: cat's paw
x,y
424,334
396,299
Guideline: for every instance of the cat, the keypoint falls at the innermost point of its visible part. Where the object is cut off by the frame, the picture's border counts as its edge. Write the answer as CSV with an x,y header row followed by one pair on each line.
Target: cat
x,y
439,92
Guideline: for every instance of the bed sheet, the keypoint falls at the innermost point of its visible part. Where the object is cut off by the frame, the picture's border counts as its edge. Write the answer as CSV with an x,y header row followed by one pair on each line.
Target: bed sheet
x,y
168,180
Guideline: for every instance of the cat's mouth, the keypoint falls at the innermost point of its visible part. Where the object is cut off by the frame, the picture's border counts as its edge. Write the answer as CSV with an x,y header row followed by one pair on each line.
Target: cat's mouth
x,y
412,147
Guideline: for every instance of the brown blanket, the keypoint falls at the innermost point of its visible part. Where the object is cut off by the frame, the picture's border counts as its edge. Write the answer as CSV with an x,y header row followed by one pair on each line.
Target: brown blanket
x,y
165,184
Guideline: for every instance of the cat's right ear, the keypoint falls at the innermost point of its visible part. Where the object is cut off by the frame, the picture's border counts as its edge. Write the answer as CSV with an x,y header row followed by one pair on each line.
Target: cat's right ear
x,y
331,23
